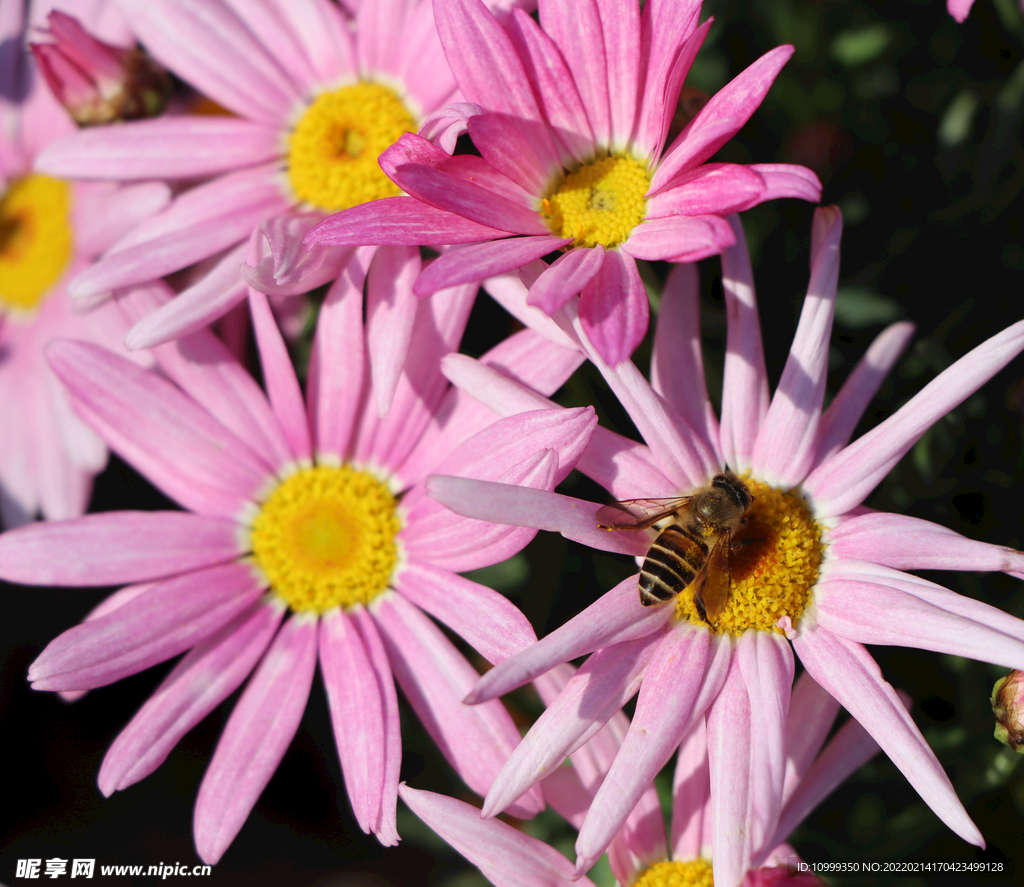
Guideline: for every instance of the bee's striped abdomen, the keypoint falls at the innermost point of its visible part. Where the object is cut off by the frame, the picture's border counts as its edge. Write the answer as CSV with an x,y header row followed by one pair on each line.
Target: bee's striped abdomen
x,y
672,562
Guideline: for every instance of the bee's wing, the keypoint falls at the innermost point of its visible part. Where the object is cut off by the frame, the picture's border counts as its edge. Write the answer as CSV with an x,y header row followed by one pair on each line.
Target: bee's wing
x,y
714,584
638,514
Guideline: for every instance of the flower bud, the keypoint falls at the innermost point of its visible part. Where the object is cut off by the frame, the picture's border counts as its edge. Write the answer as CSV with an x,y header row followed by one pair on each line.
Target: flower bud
x,y
1008,705
97,82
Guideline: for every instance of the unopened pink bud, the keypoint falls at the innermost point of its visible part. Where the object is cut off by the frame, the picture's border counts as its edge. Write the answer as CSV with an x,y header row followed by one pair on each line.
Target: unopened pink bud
x,y
97,82
1008,705
783,876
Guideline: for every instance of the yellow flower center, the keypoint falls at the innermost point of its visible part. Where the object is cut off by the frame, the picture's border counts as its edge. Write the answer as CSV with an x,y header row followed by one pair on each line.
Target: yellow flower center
x,y
326,537
35,240
682,873
332,159
600,203
774,564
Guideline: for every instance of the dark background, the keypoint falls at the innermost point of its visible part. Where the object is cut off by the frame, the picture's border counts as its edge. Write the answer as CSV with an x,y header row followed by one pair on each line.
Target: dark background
x,y
913,124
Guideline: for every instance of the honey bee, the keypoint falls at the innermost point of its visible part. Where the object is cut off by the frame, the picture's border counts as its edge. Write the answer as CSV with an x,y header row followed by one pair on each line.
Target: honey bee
x,y
694,544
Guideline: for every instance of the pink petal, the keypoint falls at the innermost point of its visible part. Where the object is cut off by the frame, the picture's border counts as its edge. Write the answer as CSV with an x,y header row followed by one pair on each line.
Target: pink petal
x,y
745,395
476,740
106,218
959,9
812,711
509,291
256,737
164,148
116,547
601,686
721,118
710,189
846,479
565,278
285,266
613,309
847,407
363,703
164,434
505,147
209,673
849,673
487,620
473,263
679,238
787,441
171,617
677,363
396,221
617,616
506,856
691,796
787,180
390,313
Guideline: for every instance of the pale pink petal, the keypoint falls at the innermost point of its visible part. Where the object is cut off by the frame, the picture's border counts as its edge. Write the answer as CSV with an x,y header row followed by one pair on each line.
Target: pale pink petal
x,y
284,265
209,673
811,713
909,543
578,33
721,118
613,308
506,856
850,475
959,9
567,796
476,740
615,617
601,686
677,363
394,221
553,85
565,278
279,377
679,238
267,23
710,189
422,65
510,291
847,407
111,214
390,313
666,707
641,841
204,43
505,147
115,547
256,737
787,441
364,706
691,795
575,519
195,308
164,148
171,617
474,262
324,35
487,620
849,673
745,396
337,364
163,433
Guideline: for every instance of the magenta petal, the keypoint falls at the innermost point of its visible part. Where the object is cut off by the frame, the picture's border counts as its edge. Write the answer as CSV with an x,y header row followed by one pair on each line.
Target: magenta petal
x,y
615,617
256,737
565,277
205,677
679,238
506,856
710,189
476,740
475,262
849,673
171,617
115,547
602,685
614,310
363,703
394,221
487,620
787,180
505,147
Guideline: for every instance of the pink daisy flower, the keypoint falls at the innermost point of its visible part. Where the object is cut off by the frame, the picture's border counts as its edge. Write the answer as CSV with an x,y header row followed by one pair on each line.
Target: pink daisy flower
x,y
315,508
316,95
571,120
641,854
811,571
50,230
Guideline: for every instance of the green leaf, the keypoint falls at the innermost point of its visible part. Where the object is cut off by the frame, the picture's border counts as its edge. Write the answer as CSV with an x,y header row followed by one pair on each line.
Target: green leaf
x,y
854,46
857,307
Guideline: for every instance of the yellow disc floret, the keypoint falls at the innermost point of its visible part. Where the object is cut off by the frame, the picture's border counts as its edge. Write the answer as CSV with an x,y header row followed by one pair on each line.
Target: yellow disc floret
x,y
332,158
35,240
774,563
600,203
326,537
683,873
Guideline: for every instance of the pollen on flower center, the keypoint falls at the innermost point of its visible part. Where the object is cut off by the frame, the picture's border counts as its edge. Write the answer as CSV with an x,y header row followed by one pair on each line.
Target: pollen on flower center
x,y
600,203
681,873
774,563
35,240
332,158
326,536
